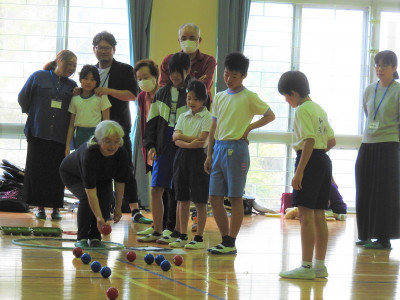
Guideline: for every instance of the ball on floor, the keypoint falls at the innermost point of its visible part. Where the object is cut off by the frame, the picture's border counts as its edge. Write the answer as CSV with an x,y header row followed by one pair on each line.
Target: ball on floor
x,y
131,256
112,293
86,258
105,272
159,259
165,265
149,258
178,260
77,252
95,266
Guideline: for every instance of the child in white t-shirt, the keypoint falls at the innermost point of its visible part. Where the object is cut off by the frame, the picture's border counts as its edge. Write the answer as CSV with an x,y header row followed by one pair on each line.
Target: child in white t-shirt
x,y
87,109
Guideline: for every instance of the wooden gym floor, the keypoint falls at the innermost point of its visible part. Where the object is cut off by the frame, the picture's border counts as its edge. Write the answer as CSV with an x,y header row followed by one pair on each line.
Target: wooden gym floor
x,y
266,245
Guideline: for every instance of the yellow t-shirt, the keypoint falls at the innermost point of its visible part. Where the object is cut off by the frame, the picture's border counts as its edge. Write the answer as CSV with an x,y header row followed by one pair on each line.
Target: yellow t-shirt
x,y
234,113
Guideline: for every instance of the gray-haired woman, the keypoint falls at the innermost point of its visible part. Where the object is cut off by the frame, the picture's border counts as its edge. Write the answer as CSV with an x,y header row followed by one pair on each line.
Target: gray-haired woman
x,y
89,172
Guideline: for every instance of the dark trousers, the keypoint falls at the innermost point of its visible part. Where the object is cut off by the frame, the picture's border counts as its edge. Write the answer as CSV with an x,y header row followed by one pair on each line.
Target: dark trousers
x,y
130,193
169,201
87,223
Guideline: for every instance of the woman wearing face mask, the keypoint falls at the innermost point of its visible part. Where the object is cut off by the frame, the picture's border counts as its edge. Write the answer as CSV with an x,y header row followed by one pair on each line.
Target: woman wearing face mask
x,y
146,74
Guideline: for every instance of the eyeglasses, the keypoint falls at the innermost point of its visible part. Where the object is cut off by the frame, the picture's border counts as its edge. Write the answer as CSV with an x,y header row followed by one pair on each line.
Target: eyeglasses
x,y
111,143
104,49
383,66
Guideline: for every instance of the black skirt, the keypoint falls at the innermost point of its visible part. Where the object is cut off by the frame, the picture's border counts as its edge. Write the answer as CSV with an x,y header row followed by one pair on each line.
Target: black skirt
x,y
377,191
42,184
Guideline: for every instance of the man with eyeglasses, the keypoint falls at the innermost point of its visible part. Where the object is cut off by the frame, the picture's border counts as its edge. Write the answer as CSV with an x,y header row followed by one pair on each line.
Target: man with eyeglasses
x,y
118,83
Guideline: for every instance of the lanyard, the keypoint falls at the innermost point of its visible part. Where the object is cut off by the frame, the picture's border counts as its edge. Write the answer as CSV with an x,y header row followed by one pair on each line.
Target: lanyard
x,y
384,94
105,80
56,90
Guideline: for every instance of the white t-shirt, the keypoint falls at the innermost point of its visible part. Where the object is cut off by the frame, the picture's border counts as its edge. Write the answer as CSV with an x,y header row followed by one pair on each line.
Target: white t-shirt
x,y
234,113
193,125
174,101
88,111
311,121
104,75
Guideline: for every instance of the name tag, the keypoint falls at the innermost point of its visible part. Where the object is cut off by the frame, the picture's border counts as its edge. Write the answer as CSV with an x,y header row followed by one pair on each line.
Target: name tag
x,y
56,104
373,126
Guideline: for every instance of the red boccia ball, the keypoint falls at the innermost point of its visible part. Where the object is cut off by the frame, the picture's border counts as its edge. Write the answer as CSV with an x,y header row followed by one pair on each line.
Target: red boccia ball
x,y
77,252
178,260
106,229
112,293
131,256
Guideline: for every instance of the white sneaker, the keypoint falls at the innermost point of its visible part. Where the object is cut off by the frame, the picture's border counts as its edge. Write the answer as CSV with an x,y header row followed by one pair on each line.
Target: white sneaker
x,y
321,273
299,273
149,230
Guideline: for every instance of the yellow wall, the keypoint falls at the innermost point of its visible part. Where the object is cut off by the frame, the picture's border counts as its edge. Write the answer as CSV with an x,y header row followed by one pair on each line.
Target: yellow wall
x,y
168,15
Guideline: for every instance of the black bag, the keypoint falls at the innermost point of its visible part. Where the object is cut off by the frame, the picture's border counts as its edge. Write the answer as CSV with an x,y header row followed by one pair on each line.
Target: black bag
x,y
11,201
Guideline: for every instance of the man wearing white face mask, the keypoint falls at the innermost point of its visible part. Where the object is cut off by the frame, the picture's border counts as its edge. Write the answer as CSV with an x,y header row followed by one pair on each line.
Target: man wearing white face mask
x,y
202,65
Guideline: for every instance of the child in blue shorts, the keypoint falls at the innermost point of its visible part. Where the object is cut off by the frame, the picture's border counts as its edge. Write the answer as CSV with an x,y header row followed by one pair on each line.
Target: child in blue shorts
x,y
313,173
191,182
168,104
228,157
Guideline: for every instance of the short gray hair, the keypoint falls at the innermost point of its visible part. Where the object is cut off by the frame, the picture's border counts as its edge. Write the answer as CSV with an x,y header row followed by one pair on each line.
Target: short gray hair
x,y
196,28
106,129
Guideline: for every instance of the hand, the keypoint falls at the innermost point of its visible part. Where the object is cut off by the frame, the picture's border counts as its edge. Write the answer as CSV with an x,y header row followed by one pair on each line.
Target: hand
x,y
244,137
207,165
152,154
100,223
67,150
117,215
296,181
196,143
100,91
76,91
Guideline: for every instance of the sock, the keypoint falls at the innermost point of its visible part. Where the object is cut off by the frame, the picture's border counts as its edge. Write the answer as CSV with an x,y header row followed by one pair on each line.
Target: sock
x,y
136,214
183,237
156,233
135,211
306,264
229,241
198,238
224,239
175,234
319,264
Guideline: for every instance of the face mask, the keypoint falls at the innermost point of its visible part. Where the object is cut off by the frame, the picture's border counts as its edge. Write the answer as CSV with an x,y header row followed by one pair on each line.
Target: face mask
x,y
189,46
147,85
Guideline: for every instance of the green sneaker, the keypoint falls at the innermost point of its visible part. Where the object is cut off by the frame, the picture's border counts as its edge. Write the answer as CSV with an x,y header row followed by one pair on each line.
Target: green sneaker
x,y
178,243
82,244
55,215
377,246
95,243
149,238
147,231
221,249
139,218
195,245
362,242
166,240
41,214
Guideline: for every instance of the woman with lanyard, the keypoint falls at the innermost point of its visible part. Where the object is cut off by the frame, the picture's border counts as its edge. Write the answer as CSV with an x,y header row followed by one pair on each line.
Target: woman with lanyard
x,y
377,165
45,98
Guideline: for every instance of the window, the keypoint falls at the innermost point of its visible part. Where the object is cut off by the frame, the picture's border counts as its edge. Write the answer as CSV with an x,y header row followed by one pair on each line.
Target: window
x,y
31,34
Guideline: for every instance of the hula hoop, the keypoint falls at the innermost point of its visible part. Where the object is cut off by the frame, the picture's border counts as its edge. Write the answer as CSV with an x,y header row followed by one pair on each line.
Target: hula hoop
x,y
21,242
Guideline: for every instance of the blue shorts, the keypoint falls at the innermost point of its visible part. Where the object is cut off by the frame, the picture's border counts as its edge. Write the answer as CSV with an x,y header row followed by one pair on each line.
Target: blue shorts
x,y
161,175
316,183
231,162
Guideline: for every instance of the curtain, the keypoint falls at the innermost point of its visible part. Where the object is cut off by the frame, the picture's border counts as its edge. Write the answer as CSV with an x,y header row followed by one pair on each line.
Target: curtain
x,y
233,16
139,12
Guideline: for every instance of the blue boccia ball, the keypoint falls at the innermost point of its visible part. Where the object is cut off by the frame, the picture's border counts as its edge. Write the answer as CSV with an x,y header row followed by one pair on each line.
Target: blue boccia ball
x,y
105,272
149,258
95,266
159,259
86,258
165,265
